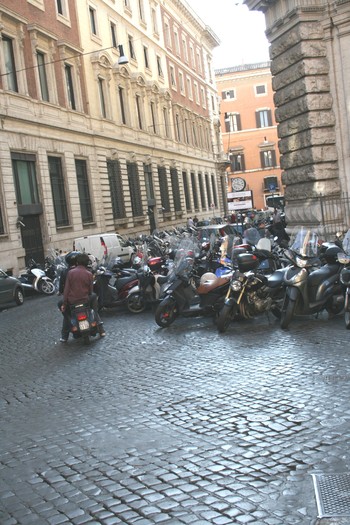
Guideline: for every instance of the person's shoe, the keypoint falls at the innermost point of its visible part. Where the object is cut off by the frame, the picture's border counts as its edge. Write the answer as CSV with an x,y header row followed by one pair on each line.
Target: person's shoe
x,y
63,339
101,330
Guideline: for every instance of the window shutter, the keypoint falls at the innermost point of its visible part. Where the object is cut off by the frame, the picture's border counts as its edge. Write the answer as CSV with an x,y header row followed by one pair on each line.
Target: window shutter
x,y
269,117
239,123
242,162
273,158
223,95
227,126
257,119
262,159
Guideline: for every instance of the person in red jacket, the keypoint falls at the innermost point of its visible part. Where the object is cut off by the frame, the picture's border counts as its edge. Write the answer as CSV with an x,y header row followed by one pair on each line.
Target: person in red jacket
x,y
78,288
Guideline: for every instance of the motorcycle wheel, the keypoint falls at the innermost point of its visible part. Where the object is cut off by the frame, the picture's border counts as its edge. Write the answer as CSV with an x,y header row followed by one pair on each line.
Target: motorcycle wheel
x,y
287,313
46,287
135,303
166,313
226,314
19,297
347,313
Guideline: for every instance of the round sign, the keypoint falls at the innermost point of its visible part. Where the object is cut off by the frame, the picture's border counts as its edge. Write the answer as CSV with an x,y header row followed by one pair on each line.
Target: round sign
x,y
238,184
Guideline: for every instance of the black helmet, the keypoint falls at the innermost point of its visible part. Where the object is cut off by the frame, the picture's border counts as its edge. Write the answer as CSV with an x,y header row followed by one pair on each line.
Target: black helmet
x,y
71,258
331,254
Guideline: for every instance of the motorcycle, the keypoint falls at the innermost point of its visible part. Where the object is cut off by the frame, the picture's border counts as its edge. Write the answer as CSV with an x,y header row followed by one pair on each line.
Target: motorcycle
x,y
250,291
344,260
147,290
309,287
113,283
83,322
35,278
186,294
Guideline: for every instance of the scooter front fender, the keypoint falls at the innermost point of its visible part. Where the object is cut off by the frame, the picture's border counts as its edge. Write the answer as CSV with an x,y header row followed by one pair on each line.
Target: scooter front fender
x,y
292,293
230,301
134,289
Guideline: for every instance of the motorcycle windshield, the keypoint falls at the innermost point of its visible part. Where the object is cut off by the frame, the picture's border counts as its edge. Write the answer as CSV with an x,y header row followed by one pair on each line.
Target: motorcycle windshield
x,y
346,243
252,236
184,259
305,243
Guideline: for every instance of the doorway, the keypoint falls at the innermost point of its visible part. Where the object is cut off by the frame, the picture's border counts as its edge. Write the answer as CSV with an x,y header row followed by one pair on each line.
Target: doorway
x,y
32,240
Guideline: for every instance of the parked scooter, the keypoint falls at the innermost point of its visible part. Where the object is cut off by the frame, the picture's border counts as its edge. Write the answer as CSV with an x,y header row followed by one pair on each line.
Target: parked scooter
x,y
310,290
148,288
344,260
250,291
83,322
186,294
35,279
113,283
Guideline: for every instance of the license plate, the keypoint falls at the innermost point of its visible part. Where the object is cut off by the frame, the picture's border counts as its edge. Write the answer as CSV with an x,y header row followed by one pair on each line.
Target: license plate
x,y
84,325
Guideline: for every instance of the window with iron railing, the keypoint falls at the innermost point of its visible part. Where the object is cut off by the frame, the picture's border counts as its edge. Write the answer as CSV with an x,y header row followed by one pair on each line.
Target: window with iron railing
x,y
134,186
163,187
84,191
58,191
116,188
174,177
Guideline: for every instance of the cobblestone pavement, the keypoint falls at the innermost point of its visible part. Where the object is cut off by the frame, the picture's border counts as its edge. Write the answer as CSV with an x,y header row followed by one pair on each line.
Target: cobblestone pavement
x,y
170,426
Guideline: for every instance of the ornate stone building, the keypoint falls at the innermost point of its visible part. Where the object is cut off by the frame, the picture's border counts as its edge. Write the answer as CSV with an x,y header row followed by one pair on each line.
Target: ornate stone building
x,y
105,125
310,65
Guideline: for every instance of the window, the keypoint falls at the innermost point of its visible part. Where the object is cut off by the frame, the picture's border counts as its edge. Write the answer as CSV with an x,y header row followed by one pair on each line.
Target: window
x,y
10,65
68,69
25,179
114,35
186,190
237,162
189,88
62,8
213,187
44,89
122,104
172,77
194,191
84,191
145,54
232,122
201,190
166,122
167,34
134,186
58,191
176,40
101,91
268,158
131,47
127,5
141,10
163,187
228,95
116,188
194,133
263,118
174,177
196,92
153,117
2,227
139,111
207,186
270,183
178,127
181,83
93,26
184,49
199,62
193,61
261,89
159,66
187,134
147,170
204,102
154,21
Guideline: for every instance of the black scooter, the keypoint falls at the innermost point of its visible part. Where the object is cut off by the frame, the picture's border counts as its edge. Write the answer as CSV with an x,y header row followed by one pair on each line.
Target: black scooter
x,y
83,322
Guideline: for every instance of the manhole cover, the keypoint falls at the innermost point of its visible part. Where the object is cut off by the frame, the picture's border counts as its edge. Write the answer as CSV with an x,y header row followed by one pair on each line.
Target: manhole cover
x,y
332,422
332,494
298,418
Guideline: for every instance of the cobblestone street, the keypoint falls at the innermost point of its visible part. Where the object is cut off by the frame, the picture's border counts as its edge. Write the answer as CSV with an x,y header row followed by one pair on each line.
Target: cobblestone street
x,y
175,426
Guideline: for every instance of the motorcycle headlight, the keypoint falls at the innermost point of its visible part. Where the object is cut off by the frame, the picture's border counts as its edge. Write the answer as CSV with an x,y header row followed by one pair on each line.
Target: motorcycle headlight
x,y
236,286
301,262
345,276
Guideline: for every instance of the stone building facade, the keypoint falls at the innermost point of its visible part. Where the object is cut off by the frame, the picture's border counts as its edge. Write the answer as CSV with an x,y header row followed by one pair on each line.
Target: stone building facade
x,y
311,71
90,141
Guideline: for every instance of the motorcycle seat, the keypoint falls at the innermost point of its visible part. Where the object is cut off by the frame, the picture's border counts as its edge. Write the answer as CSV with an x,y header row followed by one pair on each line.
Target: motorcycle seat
x,y
210,285
124,280
321,274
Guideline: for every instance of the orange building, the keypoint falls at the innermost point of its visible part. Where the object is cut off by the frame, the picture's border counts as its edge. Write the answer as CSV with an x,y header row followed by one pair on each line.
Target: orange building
x,y
249,135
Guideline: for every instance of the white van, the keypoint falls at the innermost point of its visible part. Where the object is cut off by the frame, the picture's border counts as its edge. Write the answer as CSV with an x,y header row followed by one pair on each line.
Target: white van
x,y
104,245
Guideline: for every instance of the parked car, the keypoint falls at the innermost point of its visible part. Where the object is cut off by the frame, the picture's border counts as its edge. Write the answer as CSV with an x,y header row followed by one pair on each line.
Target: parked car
x,y
219,230
105,245
11,290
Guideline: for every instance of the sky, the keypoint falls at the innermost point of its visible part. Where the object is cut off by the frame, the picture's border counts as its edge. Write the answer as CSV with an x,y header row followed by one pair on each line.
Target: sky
x,y
241,32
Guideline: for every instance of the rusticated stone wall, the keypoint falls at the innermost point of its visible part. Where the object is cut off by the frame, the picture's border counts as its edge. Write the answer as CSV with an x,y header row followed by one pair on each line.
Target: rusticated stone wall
x,y
308,105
